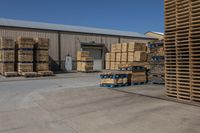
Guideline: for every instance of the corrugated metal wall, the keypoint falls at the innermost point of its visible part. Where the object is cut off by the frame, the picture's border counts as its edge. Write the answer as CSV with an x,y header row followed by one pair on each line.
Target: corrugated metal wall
x,y
69,43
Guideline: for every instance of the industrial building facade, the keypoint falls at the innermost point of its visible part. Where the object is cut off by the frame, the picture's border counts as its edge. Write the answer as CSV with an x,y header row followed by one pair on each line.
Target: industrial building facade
x,y
67,40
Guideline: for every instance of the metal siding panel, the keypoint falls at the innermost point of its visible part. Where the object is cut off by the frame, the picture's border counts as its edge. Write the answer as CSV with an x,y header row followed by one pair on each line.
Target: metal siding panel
x,y
67,45
123,39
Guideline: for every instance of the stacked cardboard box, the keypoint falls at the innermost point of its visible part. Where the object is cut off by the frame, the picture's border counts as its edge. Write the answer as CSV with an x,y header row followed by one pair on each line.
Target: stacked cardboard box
x,y
7,56
25,47
124,53
84,61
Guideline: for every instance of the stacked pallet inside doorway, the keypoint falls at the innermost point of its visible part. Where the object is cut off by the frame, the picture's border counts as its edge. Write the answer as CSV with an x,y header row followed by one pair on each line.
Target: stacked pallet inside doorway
x,y
183,32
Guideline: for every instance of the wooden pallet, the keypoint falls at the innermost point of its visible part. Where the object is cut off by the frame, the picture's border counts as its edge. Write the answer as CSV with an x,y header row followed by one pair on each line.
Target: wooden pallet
x,y
10,74
45,73
29,74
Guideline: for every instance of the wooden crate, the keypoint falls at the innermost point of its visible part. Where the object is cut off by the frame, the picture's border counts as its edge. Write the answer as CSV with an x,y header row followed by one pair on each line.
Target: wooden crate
x,y
7,55
112,65
124,57
42,67
112,57
138,77
109,81
29,74
123,62
25,67
124,47
140,56
42,56
135,46
7,43
107,56
7,67
131,56
42,43
113,48
107,64
45,73
25,56
118,48
118,57
25,43
10,74
81,54
84,66
117,63
89,59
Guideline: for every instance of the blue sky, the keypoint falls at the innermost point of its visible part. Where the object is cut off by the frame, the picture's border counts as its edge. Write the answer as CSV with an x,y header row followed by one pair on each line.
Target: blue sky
x,y
128,15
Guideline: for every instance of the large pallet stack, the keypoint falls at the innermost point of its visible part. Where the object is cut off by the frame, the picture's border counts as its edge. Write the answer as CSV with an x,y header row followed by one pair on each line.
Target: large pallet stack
x,y
182,21
84,62
124,53
25,55
41,57
156,62
7,56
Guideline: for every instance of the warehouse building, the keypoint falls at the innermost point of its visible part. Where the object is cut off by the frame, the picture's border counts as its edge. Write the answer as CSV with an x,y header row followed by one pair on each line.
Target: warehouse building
x,y
67,40
158,35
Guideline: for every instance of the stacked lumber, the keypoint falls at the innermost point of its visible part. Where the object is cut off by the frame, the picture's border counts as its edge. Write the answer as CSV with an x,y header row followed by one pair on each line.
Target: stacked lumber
x,y
156,62
124,53
41,59
114,79
7,56
182,45
25,47
84,61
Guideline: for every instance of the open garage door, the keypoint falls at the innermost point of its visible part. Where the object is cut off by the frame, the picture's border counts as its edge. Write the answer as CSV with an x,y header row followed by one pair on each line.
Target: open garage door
x,y
97,52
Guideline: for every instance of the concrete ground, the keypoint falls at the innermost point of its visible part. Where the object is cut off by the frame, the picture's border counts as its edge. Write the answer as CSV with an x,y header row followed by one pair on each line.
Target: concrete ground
x,y
73,103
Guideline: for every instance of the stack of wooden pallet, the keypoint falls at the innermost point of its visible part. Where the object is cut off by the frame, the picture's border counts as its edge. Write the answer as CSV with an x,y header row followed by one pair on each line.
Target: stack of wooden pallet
x,y
84,61
182,45
124,53
156,62
114,79
25,47
41,60
7,57
138,74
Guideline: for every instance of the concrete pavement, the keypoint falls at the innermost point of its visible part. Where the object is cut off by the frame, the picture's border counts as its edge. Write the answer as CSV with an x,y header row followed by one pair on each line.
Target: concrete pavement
x,y
77,105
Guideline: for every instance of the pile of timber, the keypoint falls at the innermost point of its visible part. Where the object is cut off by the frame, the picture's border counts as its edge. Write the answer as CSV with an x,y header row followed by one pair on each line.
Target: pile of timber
x,y
182,47
84,62
124,53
